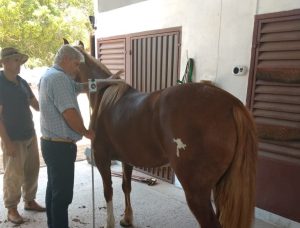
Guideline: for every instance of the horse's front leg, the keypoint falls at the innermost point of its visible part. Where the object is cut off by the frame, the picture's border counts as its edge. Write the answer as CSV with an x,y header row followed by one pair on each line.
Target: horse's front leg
x,y
104,169
126,186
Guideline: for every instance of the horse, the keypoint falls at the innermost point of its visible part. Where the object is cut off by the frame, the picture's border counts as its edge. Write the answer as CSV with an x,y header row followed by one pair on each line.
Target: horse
x,y
206,135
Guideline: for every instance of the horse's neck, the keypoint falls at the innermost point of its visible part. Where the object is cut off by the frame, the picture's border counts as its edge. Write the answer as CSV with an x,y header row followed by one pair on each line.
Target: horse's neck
x,y
132,90
111,96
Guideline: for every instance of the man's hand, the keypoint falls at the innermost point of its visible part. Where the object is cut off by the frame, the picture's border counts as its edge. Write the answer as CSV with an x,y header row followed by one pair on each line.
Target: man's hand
x,y
90,134
10,149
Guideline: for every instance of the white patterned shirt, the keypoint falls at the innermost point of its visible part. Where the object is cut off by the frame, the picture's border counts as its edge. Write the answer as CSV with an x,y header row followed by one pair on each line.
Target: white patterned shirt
x,y
57,93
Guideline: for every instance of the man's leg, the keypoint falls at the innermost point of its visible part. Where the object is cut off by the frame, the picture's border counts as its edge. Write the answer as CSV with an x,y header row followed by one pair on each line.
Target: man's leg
x,y
12,182
31,174
61,170
31,169
46,151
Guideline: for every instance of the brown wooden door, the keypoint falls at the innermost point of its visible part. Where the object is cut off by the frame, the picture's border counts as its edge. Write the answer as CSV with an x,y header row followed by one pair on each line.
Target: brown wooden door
x,y
154,65
154,61
150,61
274,99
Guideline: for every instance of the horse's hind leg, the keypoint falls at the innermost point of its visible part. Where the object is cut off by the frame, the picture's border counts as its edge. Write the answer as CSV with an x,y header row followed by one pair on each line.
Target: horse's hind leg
x,y
126,186
199,201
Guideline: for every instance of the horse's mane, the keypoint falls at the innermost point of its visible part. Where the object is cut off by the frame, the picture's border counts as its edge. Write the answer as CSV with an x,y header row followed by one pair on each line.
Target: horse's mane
x,y
111,95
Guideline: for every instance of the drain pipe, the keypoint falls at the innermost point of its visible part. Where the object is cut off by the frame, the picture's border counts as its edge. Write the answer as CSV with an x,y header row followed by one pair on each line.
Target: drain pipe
x,y
92,89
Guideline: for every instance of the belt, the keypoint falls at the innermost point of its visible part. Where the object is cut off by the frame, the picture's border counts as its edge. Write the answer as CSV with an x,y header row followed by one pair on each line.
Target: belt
x,y
58,140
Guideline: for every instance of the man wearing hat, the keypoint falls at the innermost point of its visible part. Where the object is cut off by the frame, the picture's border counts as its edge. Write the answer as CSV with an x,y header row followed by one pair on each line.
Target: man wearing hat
x,y
18,137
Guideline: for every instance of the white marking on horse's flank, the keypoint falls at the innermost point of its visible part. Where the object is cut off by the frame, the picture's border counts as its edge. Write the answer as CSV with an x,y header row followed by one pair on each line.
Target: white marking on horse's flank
x,y
180,145
110,215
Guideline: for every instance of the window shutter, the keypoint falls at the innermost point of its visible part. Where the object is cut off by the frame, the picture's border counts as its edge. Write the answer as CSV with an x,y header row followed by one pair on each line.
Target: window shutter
x,y
111,53
155,65
276,95
155,60
274,99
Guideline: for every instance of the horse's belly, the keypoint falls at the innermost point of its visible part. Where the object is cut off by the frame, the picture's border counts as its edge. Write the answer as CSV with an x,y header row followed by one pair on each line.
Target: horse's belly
x,y
140,154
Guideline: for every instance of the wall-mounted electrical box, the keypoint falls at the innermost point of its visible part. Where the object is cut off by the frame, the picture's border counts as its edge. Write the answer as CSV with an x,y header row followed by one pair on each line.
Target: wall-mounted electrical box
x,y
239,70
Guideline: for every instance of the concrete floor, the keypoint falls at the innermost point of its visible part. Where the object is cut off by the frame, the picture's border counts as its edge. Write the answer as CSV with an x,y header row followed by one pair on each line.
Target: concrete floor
x,y
159,206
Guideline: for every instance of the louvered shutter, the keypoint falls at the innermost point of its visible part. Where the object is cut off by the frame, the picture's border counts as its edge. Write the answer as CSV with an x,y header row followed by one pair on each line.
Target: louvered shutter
x,y
155,60
154,66
112,52
274,99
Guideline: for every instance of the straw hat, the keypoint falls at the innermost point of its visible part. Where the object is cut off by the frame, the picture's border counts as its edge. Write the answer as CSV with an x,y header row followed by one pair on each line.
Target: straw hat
x,y
11,52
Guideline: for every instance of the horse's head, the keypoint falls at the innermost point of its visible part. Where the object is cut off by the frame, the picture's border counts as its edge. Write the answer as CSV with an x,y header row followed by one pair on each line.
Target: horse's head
x,y
90,68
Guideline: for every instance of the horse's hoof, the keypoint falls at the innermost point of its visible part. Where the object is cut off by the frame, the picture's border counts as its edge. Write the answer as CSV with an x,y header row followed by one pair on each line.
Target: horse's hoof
x,y
125,223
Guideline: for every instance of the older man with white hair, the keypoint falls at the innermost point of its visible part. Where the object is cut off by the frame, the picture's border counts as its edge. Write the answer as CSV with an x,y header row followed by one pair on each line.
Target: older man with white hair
x,y
18,137
61,126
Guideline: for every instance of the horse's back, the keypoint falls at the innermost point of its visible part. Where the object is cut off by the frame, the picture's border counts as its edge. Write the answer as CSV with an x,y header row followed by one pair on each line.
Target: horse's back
x,y
197,105
199,96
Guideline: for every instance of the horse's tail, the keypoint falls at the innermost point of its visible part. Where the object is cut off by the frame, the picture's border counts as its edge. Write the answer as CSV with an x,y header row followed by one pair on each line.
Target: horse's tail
x,y
235,191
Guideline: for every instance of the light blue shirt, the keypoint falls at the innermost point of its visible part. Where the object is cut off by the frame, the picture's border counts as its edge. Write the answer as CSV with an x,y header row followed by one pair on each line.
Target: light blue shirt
x,y
57,93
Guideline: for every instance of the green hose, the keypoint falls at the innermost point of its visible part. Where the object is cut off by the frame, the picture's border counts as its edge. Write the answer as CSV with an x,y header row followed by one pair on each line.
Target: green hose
x,y
188,74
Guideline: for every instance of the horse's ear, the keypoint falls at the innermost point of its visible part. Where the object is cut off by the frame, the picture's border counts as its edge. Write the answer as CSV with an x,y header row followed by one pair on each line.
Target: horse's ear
x,y
80,43
65,41
116,75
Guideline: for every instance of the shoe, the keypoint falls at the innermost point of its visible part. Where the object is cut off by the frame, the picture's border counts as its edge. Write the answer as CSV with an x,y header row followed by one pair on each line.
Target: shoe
x,y
14,216
33,206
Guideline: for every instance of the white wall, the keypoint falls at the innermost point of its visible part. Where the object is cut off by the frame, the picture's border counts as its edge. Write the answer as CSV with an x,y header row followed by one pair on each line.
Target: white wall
x,y
270,6
104,5
217,34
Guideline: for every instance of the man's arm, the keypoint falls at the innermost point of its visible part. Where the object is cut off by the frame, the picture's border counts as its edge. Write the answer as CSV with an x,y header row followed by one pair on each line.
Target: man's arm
x,y
34,103
75,122
10,147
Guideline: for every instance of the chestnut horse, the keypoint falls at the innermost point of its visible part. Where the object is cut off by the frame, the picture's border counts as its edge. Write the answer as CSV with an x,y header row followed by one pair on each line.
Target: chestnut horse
x,y
206,135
